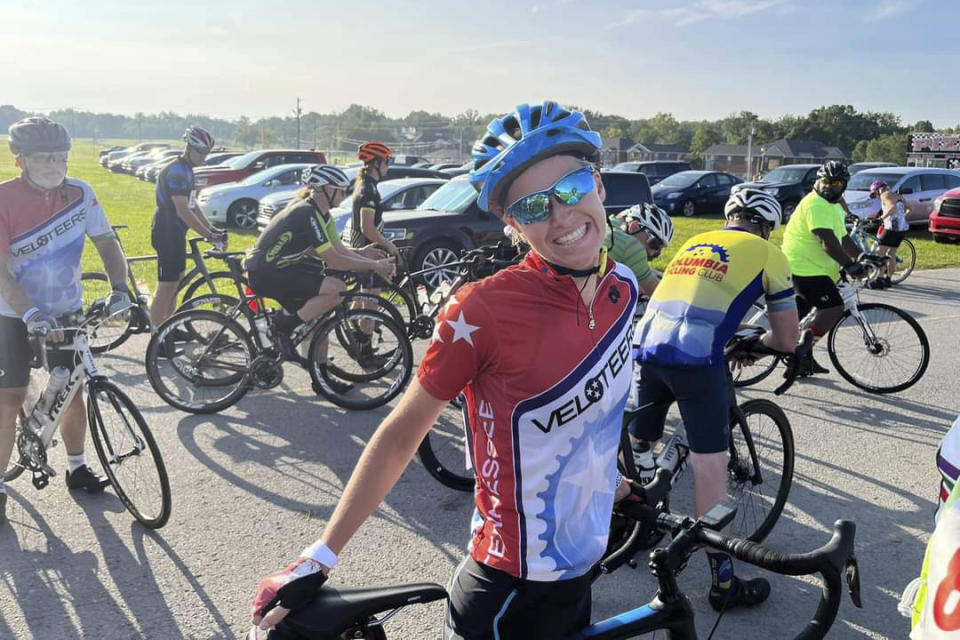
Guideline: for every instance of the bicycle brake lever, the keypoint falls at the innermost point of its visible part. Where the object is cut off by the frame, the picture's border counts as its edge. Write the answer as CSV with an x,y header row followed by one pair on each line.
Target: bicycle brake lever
x,y
852,572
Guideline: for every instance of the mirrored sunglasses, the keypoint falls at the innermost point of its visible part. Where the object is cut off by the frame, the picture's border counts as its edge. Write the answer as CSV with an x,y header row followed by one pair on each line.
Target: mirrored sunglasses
x,y
537,206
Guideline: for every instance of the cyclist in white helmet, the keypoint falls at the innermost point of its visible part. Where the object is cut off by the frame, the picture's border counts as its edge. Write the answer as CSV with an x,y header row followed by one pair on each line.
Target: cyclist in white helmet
x,y
637,235
289,260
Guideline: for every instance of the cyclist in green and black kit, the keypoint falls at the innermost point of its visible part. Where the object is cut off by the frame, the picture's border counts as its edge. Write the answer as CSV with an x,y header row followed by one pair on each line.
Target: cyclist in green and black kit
x,y
636,236
289,260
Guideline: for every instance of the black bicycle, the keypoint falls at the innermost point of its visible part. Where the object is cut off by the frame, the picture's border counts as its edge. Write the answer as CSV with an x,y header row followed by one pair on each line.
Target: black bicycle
x,y
198,281
203,361
361,613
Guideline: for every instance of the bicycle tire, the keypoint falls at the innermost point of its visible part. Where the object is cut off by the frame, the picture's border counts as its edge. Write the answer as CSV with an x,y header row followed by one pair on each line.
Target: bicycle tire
x,y
217,302
195,287
114,331
443,453
15,469
393,372
101,395
907,263
400,299
379,303
774,449
751,374
205,328
923,346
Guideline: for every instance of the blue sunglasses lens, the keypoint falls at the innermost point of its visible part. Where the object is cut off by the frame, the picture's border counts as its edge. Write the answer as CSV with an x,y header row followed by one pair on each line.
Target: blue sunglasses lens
x,y
569,189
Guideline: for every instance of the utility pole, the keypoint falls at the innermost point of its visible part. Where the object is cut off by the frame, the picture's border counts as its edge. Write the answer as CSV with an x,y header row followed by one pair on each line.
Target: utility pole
x,y
298,112
749,175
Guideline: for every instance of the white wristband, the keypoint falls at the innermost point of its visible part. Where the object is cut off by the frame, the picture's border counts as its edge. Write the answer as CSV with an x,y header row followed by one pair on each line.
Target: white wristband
x,y
29,314
321,553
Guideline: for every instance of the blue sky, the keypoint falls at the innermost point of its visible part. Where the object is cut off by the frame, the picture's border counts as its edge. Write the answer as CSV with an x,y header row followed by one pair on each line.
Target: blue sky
x,y
694,58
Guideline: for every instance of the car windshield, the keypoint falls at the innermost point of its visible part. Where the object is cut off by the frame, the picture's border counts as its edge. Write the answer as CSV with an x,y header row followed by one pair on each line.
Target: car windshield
x,y
861,181
241,161
626,166
786,174
682,179
263,176
455,195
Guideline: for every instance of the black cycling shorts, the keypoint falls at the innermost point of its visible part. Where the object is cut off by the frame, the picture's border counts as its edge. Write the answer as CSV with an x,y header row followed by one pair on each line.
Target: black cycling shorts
x,y
487,603
290,286
703,396
891,238
170,243
815,291
16,354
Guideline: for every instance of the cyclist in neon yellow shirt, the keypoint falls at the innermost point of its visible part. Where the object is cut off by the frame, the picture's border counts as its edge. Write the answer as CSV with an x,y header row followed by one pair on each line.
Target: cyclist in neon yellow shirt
x,y
637,235
816,244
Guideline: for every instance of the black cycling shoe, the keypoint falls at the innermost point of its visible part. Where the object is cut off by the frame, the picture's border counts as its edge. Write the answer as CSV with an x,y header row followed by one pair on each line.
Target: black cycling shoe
x,y
878,283
288,349
3,508
84,478
742,593
810,367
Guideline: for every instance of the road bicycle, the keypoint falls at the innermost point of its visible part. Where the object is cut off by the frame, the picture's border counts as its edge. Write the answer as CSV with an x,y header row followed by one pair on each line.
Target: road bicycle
x,y
868,242
761,448
874,346
199,280
338,612
203,361
125,446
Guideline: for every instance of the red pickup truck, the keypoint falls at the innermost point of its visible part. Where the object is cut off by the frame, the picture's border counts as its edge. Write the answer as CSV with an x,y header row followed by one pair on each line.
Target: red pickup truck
x,y
238,168
945,218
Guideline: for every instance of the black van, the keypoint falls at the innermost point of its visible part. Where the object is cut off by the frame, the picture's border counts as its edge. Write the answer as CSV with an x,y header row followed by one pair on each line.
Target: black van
x,y
655,170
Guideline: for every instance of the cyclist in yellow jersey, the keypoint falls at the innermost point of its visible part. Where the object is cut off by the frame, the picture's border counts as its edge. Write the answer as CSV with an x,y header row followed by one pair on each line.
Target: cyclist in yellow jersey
x,y
816,244
701,300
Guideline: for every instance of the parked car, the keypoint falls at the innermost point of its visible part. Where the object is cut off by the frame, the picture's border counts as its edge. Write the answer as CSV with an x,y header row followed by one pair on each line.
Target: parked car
x,y
104,152
213,159
122,165
689,192
236,203
919,187
945,218
113,156
270,205
440,166
459,171
857,167
450,221
788,184
150,172
407,160
139,166
655,170
236,169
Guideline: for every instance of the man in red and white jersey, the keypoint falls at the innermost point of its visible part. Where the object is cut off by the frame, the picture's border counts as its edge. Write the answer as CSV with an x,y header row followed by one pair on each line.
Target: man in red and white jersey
x,y
44,218
542,352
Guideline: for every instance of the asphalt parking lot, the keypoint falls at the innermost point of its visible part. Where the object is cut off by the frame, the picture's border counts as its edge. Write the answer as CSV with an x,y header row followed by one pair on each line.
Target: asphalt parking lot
x,y
254,485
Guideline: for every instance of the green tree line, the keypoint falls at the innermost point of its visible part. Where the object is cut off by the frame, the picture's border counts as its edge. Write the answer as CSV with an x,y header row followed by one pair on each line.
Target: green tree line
x,y
860,135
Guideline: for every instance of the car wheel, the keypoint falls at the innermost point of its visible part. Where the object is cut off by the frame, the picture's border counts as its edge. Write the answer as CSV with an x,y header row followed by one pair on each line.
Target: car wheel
x,y
442,255
689,208
243,214
787,210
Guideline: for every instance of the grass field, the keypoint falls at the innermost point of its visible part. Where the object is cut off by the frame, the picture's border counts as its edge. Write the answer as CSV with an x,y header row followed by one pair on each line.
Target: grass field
x,y
130,202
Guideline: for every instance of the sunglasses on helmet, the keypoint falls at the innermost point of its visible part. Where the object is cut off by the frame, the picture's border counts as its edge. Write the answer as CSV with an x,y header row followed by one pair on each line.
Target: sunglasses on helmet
x,y
537,206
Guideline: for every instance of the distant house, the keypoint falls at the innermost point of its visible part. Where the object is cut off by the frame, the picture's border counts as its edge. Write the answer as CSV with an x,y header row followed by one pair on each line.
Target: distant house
x,y
654,151
732,158
615,150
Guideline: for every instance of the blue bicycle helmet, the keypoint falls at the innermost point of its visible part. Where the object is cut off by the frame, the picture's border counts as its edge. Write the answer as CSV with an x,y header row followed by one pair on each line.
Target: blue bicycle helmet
x,y
523,137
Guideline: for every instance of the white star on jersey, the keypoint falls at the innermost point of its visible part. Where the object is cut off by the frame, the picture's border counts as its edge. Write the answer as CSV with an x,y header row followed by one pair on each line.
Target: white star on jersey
x,y
462,330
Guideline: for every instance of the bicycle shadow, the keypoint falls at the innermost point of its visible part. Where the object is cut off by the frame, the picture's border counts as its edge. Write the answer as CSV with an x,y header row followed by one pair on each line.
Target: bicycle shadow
x,y
60,592
301,465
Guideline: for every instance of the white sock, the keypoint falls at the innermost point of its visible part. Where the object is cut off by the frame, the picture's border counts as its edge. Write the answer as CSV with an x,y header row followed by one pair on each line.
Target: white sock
x,y
74,462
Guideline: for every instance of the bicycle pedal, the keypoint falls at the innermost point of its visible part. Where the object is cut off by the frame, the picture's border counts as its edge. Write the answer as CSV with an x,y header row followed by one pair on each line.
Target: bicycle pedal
x,y
40,480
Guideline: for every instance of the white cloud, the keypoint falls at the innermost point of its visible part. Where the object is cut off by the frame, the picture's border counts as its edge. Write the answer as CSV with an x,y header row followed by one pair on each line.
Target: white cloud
x,y
630,17
888,9
700,10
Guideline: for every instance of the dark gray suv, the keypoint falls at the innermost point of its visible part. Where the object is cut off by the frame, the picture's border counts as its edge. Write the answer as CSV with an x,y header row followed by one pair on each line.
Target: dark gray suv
x,y
655,170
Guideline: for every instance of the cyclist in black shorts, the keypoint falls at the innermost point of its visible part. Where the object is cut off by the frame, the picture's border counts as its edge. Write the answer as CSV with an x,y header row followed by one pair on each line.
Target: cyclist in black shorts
x,y
817,245
175,213
289,259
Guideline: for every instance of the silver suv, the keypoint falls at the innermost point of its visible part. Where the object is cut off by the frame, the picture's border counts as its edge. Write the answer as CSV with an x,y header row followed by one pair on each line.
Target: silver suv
x,y
918,186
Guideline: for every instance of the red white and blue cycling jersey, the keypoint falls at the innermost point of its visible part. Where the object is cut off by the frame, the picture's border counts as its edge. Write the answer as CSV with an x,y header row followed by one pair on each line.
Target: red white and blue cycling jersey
x,y
42,232
545,394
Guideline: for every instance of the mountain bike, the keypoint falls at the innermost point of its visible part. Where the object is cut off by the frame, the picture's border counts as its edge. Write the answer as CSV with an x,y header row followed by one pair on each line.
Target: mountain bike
x,y
203,361
127,451
343,613
876,347
112,333
761,448
868,242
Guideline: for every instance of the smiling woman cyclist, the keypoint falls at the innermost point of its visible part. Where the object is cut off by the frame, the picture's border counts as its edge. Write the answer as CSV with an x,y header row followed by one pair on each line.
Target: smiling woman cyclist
x,y
541,350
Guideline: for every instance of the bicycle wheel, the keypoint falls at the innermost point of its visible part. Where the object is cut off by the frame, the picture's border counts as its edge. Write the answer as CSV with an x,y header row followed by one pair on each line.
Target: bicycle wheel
x,y
374,302
113,331
377,370
15,467
128,453
882,349
199,361
444,453
400,299
760,470
218,283
745,375
906,261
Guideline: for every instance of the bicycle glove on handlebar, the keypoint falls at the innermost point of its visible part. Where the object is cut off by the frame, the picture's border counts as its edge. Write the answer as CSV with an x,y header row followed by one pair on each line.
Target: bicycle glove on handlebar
x,y
855,269
39,323
290,588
